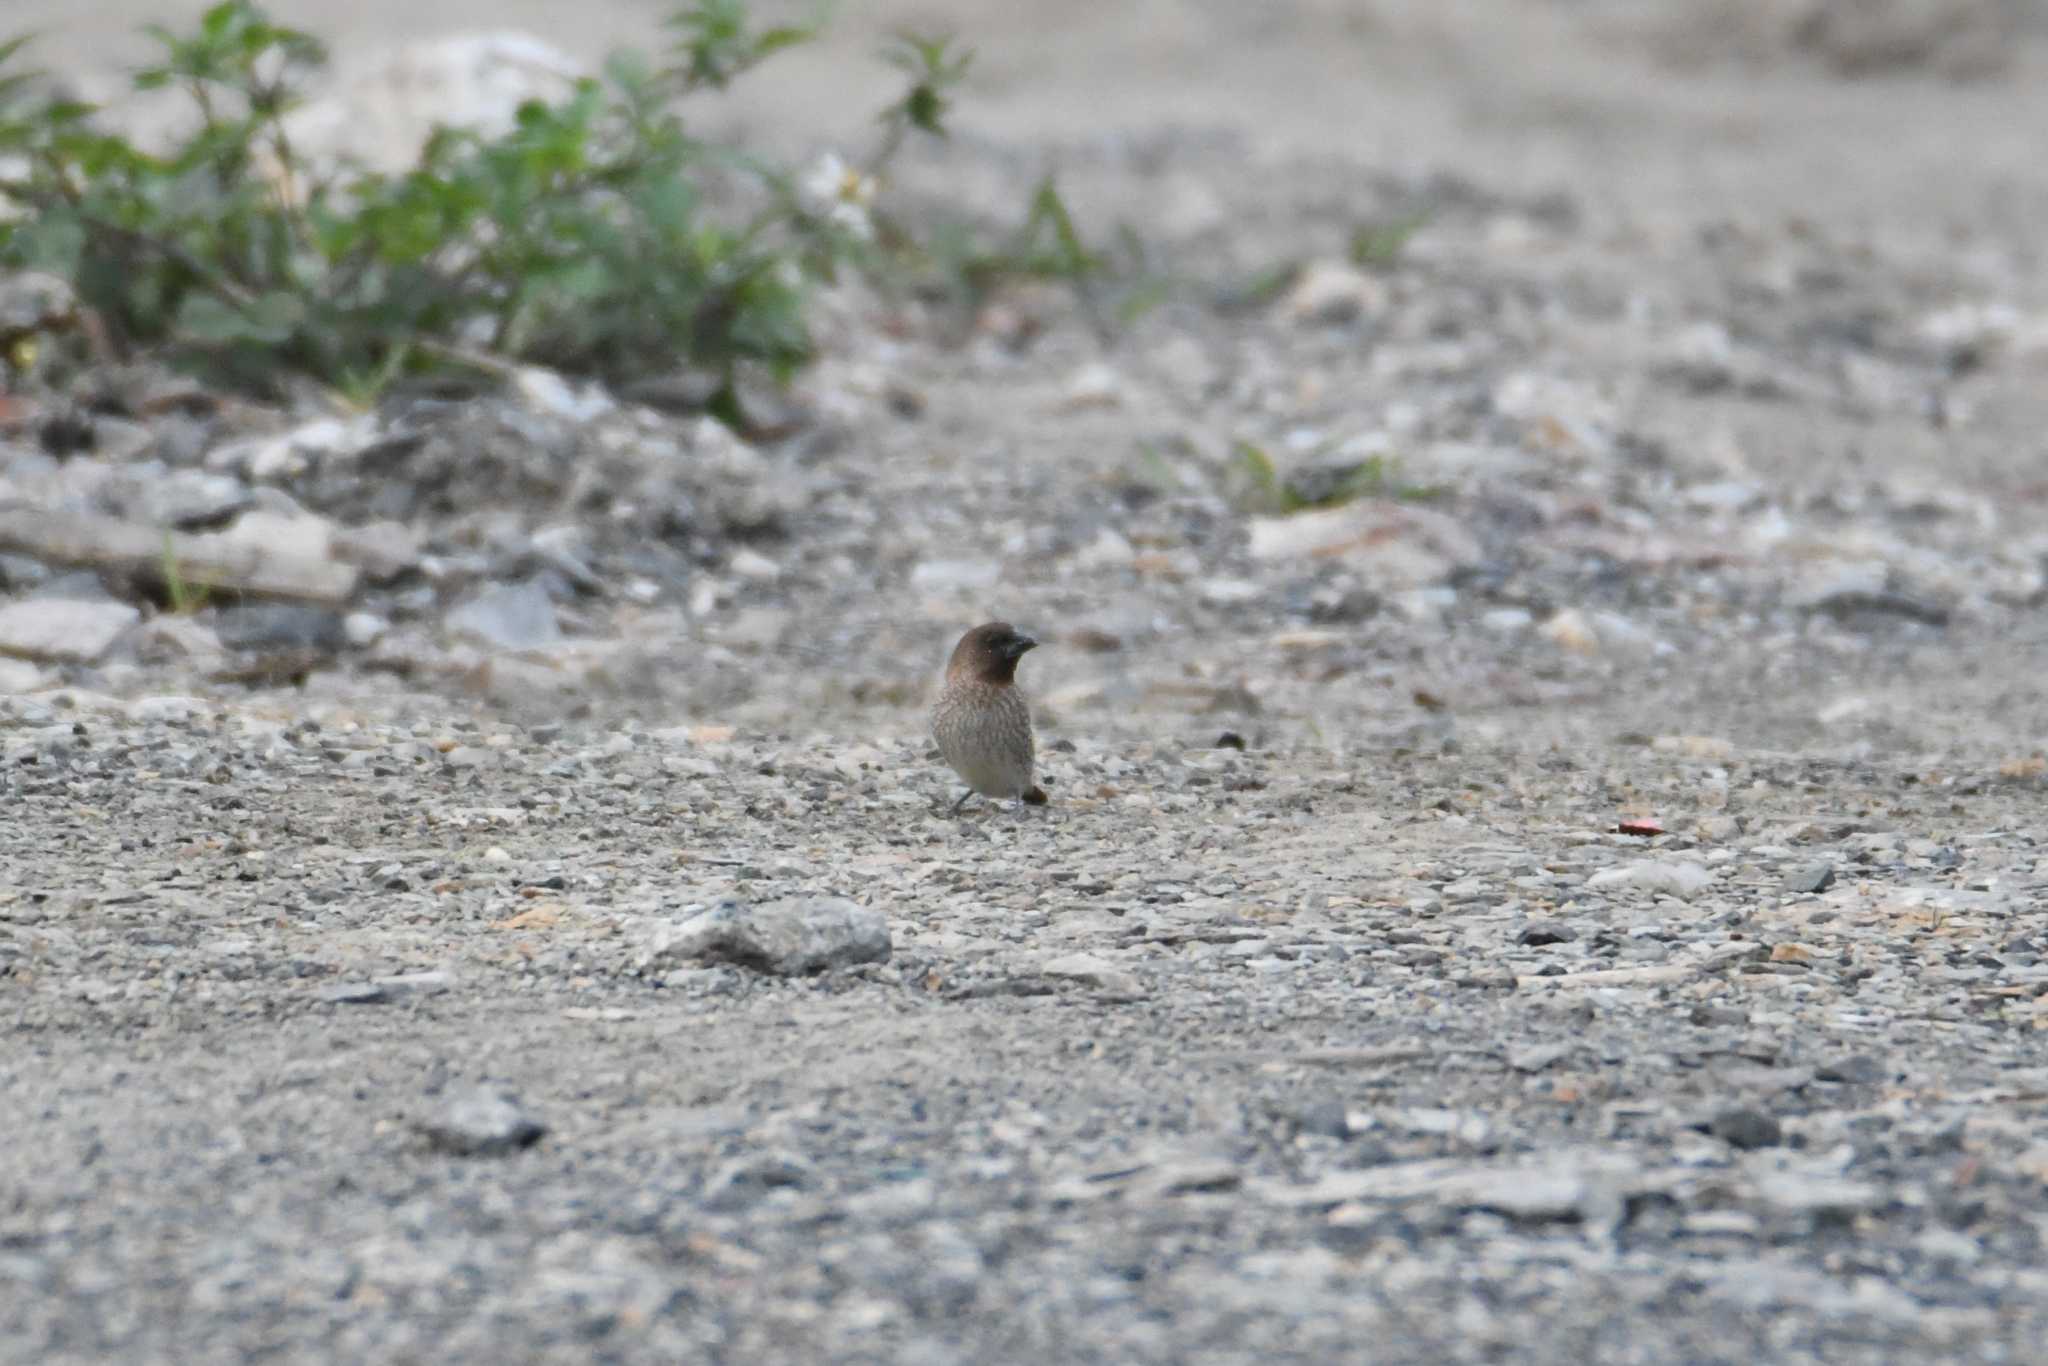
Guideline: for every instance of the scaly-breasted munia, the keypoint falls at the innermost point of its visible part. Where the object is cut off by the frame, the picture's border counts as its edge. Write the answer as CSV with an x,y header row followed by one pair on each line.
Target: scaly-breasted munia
x,y
981,721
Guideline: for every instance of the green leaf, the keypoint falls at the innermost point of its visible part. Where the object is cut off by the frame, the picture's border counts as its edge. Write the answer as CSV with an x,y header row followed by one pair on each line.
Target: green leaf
x,y
925,108
1381,242
269,319
1259,468
218,21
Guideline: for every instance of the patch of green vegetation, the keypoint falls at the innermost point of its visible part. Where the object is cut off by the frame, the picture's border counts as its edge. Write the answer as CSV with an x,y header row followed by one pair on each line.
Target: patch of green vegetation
x,y
185,598
598,235
1379,242
1268,491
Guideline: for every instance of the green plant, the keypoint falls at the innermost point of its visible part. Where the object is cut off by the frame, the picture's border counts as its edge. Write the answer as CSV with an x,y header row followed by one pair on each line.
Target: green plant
x,y
1268,491
1380,242
184,598
970,262
597,235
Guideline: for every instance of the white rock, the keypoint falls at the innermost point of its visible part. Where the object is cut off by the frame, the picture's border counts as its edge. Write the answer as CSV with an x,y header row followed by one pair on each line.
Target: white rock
x,y
752,565
381,107
1726,495
1400,544
1334,292
278,536
63,630
1569,630
1227,591
19,676
286,455
544,391
1094,385
1988,327
364,629
1506,620
1678,878
1109,550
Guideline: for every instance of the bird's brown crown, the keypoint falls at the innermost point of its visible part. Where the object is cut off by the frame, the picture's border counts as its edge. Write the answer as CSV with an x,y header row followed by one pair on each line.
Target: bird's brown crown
x,y
989,654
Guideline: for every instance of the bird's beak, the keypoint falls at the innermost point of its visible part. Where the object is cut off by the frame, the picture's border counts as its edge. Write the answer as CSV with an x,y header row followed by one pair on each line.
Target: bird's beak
x,y
1020,645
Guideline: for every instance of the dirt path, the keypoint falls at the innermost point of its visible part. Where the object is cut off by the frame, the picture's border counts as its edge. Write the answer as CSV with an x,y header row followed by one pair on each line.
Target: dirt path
x,y
1713,393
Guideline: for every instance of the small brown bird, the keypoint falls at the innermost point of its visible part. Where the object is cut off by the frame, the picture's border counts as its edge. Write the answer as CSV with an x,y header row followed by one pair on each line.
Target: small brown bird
x,y
981,721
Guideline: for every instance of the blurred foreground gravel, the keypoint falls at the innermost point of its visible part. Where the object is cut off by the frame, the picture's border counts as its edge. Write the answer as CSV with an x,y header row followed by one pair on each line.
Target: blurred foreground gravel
x,y
331,1039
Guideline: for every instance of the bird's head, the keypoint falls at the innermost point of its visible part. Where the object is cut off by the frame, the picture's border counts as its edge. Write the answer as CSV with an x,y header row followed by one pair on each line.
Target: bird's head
x,y
989,653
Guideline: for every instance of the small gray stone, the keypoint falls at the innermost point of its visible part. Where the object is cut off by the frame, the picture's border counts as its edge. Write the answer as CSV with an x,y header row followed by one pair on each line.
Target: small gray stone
x,y
355,994
1810,877
518,616
1538,1056
1719,829
1326,1118
187,500
1095,972
1856,1069
744,1180
786,938
1726,957
482,1123
415,984
1744,1127
384,551
268,626
31,301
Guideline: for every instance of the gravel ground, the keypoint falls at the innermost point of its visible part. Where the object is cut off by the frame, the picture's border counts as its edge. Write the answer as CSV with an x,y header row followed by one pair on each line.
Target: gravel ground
x,y
1581,901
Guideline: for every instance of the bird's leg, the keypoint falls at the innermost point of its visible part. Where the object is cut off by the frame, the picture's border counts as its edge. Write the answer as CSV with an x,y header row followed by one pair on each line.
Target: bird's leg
x,y
962,802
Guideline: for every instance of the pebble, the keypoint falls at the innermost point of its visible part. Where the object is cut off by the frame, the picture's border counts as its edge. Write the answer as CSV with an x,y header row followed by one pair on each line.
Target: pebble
x,y
1096,972
1333,292
1570,629
279,626
1810,877
788,939
186,500
1682,879
1746,1128
1537,1057
517,616
746,1180
481,1123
